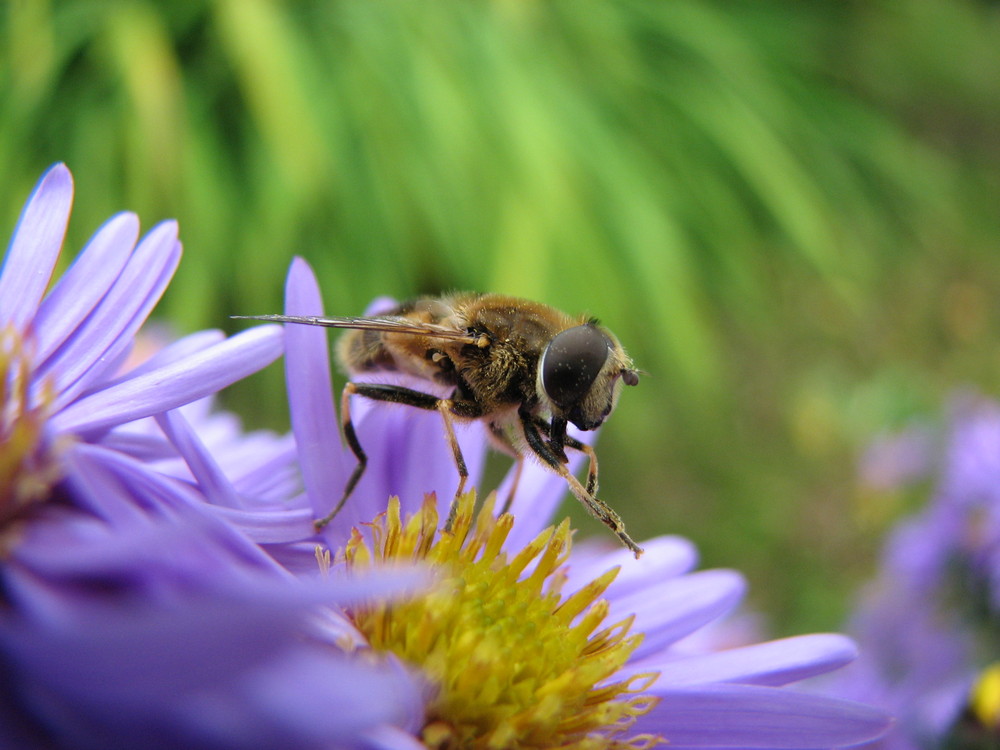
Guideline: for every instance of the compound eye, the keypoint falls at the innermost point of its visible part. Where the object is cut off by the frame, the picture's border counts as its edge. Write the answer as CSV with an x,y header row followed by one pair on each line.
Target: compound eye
x,y
571,363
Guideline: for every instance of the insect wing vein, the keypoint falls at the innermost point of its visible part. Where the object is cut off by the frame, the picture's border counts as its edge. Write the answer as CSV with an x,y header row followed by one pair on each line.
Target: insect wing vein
x,y
389,325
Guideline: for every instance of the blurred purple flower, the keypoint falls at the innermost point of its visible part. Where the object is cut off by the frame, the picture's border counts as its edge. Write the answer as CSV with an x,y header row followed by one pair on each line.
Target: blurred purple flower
x,y
723,699
895,460
928,622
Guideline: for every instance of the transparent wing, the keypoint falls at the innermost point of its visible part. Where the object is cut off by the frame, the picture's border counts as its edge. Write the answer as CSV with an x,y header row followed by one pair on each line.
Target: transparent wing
x,y
386,324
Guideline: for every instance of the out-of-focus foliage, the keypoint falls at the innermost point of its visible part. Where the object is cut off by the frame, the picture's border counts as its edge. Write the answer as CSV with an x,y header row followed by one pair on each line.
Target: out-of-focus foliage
x,y
786,211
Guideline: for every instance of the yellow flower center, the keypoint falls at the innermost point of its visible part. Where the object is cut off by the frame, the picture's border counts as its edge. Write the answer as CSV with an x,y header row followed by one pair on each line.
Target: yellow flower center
x,y
27,471
986,697
513,663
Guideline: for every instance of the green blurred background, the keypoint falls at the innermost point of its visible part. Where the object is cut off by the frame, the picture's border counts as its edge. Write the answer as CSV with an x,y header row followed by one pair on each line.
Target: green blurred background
x,y
787,212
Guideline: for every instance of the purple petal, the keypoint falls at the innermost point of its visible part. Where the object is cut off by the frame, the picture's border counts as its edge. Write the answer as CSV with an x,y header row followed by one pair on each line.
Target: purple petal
x,y
672,609
208,671
218,490
140,673
136,440
108,330
310,394
273,527
330,706
267,473
380,306
745,716
161,633
122,490
35,246
664,557
179,382
179,349
97,490
772,664
85,282
126,491
136,558
408,456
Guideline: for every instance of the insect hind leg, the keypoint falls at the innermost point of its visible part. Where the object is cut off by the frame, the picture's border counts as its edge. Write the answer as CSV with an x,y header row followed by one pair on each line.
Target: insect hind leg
x,y
407,397
355,445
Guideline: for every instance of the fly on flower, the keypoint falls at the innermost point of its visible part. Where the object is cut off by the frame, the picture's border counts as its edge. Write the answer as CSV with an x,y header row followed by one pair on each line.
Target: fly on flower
x,y
527,370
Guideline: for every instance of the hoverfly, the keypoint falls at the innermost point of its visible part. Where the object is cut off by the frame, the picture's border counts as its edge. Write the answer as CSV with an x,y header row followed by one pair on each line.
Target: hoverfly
x,y
523,368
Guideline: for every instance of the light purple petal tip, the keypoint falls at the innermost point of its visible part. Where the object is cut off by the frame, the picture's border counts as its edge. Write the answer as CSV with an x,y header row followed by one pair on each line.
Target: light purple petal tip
x,y
174,351
35,246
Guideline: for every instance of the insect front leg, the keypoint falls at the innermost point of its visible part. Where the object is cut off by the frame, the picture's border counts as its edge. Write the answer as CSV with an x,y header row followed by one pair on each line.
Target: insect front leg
x,y
597,508
556,432
571,442
355,445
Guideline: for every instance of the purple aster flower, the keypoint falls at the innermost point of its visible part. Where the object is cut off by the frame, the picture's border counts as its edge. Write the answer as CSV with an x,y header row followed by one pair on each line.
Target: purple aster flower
x,y
61,352
928,621
136,612
510,658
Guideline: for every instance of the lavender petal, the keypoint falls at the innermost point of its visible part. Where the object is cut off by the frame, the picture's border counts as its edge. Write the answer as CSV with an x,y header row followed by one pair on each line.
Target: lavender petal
x,y
211,480
407,468
310,394
179,349
272,527
772,664
109,329
664,557
85,282
746,716
179,382
672,609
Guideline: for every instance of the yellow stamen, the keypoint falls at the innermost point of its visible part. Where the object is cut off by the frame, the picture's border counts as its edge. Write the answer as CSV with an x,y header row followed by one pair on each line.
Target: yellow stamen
x,y
513,664
27,469
986,696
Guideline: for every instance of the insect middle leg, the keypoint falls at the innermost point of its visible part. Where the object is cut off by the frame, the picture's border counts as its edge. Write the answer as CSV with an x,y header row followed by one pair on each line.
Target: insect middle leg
x,y
407,397
502,442
597,508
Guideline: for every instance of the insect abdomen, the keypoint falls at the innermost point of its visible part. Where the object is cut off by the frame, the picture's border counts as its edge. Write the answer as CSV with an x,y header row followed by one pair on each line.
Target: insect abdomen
x,y
364,351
